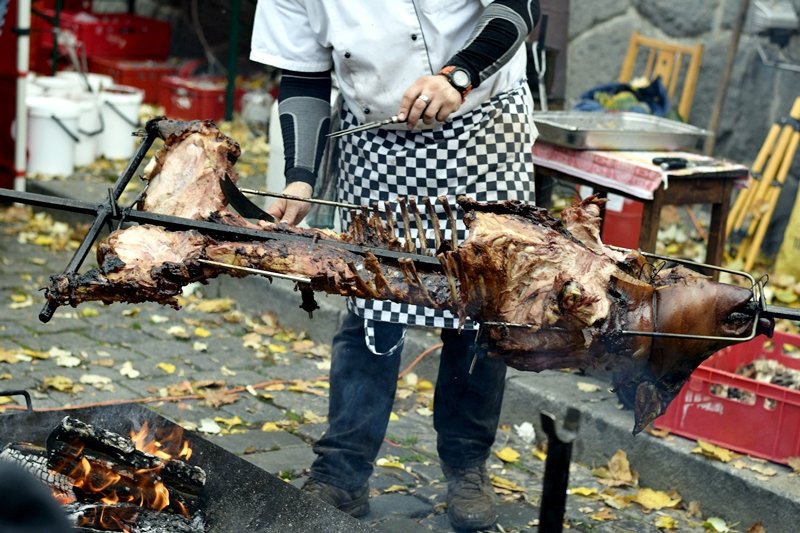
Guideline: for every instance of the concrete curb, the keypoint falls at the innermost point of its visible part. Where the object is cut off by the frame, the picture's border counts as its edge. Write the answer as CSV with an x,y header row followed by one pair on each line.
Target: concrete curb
x,y
663,463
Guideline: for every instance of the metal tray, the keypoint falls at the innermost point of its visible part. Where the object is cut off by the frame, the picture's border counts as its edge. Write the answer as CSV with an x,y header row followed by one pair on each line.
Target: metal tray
x,y
588,130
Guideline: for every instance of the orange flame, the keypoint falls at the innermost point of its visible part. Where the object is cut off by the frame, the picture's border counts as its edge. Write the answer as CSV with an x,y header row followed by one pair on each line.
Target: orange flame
x,y
142,487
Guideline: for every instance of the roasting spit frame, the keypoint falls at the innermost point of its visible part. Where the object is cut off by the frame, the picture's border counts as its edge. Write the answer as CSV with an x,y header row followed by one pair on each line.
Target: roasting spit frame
x,y
108,211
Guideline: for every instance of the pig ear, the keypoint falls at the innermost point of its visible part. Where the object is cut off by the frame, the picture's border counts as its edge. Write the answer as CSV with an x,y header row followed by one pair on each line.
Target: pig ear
x,y
647,406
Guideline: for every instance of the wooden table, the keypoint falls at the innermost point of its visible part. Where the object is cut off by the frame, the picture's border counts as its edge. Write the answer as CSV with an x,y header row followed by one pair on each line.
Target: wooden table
x,y
632,174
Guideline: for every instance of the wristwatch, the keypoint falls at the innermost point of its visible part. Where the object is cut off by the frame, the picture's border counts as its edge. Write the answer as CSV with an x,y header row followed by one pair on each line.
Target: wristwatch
x,y
459,78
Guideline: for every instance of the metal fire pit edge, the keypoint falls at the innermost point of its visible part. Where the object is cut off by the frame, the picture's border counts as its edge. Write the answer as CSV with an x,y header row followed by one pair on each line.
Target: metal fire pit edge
x,y
238,495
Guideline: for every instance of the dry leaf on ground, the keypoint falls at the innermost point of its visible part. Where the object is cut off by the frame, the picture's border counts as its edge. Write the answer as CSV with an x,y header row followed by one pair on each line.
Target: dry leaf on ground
x,y
618,472
652,500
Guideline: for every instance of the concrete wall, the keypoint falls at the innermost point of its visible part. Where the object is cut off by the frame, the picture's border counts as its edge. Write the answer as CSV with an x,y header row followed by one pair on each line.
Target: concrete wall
x,y
758,94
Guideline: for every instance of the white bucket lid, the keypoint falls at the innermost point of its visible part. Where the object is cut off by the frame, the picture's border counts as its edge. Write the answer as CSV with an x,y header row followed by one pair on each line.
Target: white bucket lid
x,y
96,81
122,94
56,84
46,106
85,101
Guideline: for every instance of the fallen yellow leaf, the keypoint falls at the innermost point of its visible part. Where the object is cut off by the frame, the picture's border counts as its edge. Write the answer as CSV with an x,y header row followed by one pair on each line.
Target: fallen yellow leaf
x,y
218,305
395,488
393,417
277,348
587,387
36,354
666,522
201,332
618,472
7,356
270,426
504,484
230,422
583,491
713,451
424,385
507,455
603,515
309,417
59,383
655,499
89,312
169,368
390,462
539,454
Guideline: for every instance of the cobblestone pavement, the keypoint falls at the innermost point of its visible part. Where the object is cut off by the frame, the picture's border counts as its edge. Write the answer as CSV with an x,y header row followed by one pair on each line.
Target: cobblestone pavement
x,y
230,371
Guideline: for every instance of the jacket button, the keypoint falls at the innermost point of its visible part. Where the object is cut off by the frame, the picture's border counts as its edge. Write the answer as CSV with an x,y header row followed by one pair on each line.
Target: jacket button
x,y
413,36
347,55
366,111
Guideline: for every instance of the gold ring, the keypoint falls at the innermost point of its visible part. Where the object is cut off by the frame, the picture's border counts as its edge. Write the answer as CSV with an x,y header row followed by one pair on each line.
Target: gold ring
x,y
424,97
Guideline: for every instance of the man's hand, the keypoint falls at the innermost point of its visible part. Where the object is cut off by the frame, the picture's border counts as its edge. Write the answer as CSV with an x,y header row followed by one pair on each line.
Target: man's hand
x,y
292,211
430,98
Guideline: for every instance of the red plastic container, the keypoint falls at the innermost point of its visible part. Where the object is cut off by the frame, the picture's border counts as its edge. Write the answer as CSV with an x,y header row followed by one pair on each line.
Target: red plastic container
x,y
190,98
143,74
622,224
735,412
118,35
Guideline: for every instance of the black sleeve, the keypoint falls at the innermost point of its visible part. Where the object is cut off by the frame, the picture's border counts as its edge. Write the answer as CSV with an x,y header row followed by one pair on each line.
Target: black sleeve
x,y
499,33
304,109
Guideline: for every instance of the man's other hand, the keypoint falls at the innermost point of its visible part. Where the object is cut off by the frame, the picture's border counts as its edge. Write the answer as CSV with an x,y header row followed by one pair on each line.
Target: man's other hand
x,y
292,211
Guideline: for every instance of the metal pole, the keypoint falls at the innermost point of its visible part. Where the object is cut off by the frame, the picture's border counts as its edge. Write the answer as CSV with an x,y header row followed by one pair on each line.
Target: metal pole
x,y
556,470
719,101
233,56
23,64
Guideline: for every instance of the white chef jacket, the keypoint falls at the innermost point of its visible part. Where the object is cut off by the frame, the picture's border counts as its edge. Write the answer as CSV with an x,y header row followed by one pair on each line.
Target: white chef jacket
x,y
377,48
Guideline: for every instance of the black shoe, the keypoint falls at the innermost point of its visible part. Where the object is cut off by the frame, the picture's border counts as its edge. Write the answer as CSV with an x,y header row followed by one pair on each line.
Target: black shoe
x,y
470,498
352,502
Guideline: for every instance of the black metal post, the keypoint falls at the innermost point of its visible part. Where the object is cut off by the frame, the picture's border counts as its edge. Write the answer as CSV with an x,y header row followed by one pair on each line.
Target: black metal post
x,y
556,469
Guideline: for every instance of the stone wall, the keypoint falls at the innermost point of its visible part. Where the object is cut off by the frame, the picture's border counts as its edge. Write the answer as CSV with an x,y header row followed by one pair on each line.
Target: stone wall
x,y
598,33
757,96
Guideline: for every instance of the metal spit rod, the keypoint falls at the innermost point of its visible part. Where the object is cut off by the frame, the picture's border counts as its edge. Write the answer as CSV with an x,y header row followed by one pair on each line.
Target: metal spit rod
x,y
298,279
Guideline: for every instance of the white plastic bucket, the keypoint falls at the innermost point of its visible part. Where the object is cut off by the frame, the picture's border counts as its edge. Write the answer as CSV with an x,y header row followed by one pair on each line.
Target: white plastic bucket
x,y
96,81
89,128
119,108
52,135
55,86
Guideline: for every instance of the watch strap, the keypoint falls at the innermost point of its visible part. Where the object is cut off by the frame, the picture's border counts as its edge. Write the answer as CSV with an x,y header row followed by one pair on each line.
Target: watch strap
x,y
447,72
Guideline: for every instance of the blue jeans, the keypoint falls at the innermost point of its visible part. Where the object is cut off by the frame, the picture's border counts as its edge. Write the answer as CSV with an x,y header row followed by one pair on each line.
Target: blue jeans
x,y
362,390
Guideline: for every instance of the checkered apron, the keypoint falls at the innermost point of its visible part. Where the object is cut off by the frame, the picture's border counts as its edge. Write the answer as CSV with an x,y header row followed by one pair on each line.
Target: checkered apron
x,y
485,154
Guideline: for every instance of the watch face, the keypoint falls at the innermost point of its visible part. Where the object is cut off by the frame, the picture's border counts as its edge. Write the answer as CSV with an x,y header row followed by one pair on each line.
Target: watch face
x,y
460,78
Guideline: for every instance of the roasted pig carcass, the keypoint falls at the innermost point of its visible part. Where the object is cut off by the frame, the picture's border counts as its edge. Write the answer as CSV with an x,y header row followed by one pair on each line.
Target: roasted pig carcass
x,y
548,293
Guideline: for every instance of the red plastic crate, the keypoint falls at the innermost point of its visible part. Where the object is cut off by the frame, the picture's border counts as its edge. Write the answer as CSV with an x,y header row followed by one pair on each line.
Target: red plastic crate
x,y
199,97
761,419
143,74
118,35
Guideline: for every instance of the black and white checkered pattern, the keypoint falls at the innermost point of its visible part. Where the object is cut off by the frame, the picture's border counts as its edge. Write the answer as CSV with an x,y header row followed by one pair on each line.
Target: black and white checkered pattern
x,y
485,154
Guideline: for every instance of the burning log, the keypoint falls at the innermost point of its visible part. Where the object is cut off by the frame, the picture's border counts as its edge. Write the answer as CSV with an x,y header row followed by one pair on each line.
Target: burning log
x,y
129,518
104,466
548,292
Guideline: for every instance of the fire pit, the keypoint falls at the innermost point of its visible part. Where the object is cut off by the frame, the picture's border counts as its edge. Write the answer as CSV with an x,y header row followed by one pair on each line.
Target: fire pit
x,y
235,495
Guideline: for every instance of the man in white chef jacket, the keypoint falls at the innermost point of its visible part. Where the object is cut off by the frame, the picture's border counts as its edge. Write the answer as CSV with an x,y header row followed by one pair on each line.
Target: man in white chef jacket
x,y
453,72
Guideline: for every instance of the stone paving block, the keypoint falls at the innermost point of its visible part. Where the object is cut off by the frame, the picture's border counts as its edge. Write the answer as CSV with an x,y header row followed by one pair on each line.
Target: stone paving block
x,y
44,340
396,525
515,513
256,409
256,441
432,494
385,505
292,459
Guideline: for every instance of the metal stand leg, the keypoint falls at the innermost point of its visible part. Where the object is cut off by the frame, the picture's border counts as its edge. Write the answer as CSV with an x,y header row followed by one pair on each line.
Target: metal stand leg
x,y
556,469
